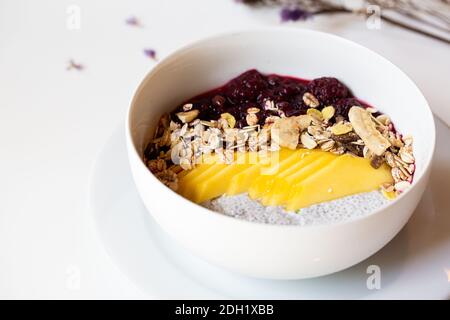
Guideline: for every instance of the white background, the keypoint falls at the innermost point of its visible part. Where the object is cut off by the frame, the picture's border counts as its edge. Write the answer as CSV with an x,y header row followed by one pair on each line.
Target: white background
x,y
53,121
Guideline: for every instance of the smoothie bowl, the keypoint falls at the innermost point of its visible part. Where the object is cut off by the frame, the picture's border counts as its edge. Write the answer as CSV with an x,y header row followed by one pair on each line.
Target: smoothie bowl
x,y
279,153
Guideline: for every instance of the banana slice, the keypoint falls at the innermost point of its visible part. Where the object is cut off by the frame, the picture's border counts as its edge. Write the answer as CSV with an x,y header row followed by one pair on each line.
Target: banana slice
x,y
363,125
285,132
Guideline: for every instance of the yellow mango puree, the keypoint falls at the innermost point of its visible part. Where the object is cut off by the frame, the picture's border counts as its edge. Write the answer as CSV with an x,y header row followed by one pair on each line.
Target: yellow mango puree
x,y
293,179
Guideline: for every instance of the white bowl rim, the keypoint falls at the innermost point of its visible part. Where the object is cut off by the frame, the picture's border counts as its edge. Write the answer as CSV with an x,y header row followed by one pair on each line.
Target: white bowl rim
x,y
243,222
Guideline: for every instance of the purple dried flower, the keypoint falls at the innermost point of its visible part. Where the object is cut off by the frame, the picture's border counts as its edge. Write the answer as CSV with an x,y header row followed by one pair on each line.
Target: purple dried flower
x,y
74,65
294,14
133,21
150,53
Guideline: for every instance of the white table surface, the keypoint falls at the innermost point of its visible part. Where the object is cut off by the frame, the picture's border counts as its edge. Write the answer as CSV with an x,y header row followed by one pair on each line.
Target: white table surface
x,y
53,121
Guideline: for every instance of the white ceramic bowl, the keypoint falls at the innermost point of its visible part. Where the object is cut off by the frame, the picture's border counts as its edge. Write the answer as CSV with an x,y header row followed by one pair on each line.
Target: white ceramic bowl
x,y
275,251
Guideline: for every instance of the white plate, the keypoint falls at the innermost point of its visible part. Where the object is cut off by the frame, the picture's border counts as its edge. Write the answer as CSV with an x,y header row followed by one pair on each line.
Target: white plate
x,y
413,265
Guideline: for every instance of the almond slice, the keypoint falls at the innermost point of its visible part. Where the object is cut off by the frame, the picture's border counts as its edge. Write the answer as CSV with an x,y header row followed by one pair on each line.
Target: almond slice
x,y
188,116
341,128
307,141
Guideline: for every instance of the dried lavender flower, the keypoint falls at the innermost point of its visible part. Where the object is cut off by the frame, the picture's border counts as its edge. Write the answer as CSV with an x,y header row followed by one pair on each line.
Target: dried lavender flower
x,y
133,21
74,65
294,14
150,53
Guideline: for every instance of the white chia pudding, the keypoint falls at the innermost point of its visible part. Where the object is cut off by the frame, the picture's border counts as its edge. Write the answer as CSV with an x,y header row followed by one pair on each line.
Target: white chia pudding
x,y
340,210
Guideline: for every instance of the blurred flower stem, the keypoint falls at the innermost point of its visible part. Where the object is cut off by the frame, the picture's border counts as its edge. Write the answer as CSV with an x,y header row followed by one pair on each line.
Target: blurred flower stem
x,y
428,18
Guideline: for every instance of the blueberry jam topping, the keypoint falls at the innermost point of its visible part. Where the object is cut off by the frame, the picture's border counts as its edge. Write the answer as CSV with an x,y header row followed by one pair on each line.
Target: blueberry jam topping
x,y
328,90
272,94
343,105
